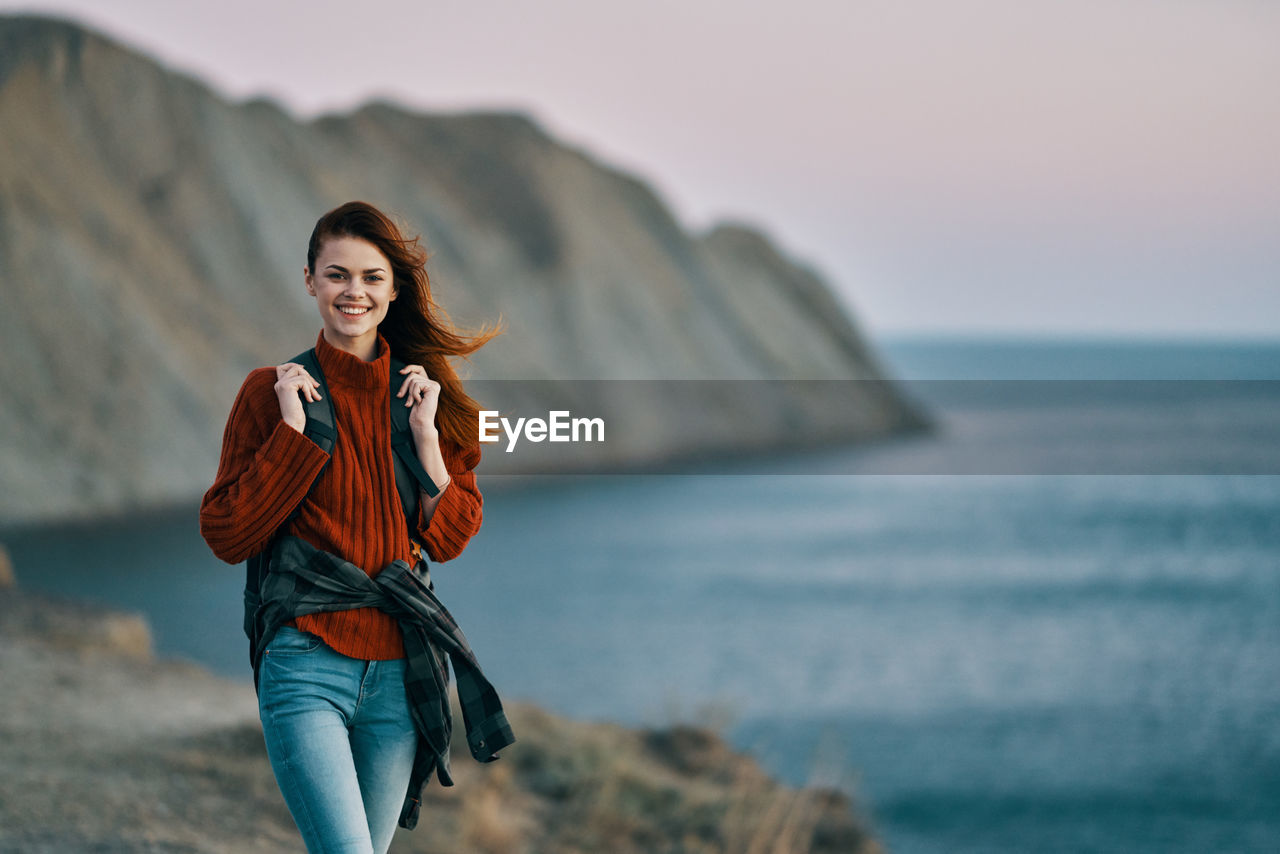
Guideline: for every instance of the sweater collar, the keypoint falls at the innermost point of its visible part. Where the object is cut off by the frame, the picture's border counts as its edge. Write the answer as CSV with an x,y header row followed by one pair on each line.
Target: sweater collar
x,y
342,368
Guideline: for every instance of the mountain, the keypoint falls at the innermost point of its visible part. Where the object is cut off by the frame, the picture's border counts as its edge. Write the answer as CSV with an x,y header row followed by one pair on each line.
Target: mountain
x,y
153,236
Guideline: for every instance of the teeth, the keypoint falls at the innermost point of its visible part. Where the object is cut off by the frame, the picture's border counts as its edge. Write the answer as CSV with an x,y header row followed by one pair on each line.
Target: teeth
x,y
352,309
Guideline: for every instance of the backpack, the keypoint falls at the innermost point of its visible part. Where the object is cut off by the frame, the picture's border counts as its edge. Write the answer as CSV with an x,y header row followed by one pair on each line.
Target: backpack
x,y
410,476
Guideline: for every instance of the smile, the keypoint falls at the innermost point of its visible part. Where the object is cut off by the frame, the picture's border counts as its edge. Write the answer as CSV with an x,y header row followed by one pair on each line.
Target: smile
x,y
353,310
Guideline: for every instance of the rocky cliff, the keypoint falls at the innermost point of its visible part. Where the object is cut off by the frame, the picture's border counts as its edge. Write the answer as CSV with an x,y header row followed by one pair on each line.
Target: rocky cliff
x,y
153,235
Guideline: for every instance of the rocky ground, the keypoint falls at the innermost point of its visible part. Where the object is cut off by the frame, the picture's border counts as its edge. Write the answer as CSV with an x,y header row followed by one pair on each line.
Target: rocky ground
x,y
105,748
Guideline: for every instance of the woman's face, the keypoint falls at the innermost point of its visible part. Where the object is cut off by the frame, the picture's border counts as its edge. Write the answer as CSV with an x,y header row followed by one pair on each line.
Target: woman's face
x,y
353,288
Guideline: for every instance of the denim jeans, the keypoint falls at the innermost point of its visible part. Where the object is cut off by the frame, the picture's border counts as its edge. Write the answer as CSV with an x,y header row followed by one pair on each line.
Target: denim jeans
x,y
341,741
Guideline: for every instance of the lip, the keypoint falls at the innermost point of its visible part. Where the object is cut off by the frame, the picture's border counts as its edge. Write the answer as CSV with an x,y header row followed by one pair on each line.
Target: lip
x,y
362,310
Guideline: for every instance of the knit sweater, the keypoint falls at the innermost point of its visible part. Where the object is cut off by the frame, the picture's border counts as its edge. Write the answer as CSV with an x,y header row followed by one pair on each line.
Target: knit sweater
x,y
353,511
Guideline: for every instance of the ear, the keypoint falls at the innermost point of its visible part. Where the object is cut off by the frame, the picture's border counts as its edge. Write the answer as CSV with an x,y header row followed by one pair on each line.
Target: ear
x,y
395,292
306,278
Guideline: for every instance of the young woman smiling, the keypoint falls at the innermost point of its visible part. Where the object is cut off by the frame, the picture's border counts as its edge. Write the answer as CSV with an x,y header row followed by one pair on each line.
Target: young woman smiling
x,y
339,728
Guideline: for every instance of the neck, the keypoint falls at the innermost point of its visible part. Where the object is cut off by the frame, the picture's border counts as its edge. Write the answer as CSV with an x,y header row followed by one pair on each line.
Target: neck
x,y
364,347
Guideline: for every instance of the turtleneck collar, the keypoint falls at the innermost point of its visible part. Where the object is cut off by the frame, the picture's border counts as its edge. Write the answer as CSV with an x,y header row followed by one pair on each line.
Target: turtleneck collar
x,y
342,368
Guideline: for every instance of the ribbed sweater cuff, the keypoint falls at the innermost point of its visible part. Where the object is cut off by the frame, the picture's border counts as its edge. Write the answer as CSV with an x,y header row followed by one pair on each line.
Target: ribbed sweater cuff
x,y
443,530
284,468
289,446
292,459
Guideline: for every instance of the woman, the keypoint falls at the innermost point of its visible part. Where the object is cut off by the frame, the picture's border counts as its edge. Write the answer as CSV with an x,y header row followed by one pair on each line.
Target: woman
x,y
338,723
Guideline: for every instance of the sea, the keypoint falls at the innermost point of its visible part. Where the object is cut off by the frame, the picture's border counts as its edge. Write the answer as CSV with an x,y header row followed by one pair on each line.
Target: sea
x,y
1044,626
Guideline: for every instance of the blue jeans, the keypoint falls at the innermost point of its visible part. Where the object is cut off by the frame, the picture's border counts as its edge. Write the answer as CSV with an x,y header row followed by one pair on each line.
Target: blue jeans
x,y
341,741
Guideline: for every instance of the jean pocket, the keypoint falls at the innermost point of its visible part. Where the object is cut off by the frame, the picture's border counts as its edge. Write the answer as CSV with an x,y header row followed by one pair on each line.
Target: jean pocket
x,y
290,641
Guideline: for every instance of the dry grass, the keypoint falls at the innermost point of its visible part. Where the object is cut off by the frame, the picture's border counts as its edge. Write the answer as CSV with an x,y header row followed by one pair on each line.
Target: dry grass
x,y
575,787
116,752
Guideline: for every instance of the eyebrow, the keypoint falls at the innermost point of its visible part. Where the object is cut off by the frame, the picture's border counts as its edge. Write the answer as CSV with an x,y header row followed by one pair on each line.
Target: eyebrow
x,y
344,269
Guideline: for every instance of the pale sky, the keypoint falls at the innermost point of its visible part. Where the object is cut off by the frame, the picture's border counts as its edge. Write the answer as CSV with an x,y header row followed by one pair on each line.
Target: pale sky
x,y
1091,167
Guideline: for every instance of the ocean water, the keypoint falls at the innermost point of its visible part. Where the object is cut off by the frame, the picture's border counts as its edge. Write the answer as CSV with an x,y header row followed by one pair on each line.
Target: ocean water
x,y
990,662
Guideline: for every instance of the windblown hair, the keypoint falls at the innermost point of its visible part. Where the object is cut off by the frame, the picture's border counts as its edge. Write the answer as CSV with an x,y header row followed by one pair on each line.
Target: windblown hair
x,y
418,330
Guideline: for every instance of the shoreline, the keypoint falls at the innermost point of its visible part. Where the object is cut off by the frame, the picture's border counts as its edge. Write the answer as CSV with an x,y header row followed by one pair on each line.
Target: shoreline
x,y
111,748
692,464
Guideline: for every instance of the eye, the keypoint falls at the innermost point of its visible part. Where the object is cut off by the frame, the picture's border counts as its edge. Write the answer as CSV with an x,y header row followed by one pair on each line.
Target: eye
x,y
335,275
375,278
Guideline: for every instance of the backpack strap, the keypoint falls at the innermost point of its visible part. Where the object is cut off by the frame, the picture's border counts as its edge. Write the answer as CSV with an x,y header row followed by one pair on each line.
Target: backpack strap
x,y
320,419
410,475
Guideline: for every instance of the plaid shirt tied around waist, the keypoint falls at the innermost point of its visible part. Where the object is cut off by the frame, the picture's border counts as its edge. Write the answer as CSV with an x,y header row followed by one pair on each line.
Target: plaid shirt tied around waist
x,y
306,580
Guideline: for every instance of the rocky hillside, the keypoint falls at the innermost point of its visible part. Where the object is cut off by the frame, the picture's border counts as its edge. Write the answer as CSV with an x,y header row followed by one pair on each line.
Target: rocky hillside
x,y
153,235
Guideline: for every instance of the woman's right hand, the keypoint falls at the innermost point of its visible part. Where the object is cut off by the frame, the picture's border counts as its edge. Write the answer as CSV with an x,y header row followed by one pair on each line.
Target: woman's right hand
x,y
293,384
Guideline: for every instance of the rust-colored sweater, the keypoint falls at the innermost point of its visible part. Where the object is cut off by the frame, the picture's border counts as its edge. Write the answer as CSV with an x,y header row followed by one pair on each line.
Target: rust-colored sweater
x,y
353,511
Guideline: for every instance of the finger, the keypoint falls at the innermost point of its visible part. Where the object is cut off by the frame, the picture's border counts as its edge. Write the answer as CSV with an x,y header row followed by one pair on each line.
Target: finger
x,y
404,386
302,386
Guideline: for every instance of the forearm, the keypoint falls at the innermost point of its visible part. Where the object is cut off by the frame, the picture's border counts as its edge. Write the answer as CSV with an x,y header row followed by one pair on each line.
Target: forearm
x,y
448,520
432,457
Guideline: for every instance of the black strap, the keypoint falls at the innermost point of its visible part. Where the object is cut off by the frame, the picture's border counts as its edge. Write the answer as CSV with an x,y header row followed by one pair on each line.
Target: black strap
x,y
410,475
320,418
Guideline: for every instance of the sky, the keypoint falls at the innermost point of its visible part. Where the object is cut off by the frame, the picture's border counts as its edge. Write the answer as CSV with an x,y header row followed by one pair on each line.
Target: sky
x,y
1091,168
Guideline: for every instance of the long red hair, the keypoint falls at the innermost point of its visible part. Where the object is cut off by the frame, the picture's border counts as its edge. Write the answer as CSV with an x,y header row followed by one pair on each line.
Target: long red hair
x,y
417,328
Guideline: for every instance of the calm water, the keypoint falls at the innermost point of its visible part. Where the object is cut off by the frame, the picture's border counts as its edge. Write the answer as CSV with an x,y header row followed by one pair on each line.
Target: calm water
x,y
1049,663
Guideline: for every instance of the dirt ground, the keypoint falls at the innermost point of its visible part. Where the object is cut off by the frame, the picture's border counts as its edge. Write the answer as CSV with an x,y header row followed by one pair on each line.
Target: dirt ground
x,y
105,748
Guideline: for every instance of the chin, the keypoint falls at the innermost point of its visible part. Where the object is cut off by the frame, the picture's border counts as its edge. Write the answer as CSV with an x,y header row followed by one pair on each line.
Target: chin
x,y
354,328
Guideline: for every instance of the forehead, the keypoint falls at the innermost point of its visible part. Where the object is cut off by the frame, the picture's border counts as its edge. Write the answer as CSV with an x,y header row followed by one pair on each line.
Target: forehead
x,y
353,253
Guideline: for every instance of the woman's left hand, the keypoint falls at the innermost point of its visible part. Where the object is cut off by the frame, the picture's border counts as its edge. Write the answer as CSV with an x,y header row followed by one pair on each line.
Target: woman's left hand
x,y
422,394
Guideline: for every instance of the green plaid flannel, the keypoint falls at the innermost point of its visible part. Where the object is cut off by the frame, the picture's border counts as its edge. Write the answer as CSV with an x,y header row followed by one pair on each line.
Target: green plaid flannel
x,y
306,580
